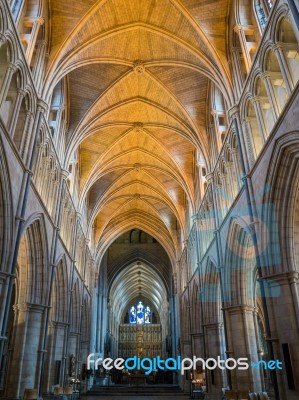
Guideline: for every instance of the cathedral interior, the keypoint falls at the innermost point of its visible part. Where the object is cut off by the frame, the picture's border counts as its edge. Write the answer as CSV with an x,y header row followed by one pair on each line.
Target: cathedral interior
x,y
149,193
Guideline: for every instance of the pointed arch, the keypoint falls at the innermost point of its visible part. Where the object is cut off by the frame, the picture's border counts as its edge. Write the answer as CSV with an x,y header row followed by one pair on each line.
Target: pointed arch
x,y
281,239
32,263
211,294
75,308
240,264
60,293
6,213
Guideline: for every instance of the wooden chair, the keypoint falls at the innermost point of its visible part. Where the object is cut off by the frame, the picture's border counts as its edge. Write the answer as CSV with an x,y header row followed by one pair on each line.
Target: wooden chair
x,y
231,395
197,391
58,392
68,392
243,394
30,394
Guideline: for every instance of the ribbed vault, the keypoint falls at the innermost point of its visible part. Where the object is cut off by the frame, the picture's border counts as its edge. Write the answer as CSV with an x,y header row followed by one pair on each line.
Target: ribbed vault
x,y
137,266
136,281
137,75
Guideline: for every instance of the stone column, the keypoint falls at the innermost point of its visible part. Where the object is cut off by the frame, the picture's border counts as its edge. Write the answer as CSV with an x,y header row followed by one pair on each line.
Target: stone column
x,y
217,131
104,314
37,164
237,68
45,179
38,67
11,69
271,94
4,280
240,30
214,144
4,277
288,80
250,144
260,118
55,197
234,113
283,317
259,349
27,131
15,114
214,333
25,354
53,189
73,346
38,22
56,339
243,344
294,281
231,182
37,126
98,324
238,173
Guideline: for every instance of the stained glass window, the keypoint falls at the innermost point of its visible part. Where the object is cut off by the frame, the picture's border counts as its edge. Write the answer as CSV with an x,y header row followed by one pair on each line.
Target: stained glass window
x,y
147,315
140,314
261,13
132,315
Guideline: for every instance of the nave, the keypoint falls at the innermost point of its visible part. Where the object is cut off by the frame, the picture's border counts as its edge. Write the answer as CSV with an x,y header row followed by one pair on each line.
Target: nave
x,y
149,197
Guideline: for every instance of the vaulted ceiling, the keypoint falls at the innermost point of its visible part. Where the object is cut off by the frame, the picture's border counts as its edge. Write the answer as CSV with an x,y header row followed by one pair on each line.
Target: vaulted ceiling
x,y
138,73
130,284
138,268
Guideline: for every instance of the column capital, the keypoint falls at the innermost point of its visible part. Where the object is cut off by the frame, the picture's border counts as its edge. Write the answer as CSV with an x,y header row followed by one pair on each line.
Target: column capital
x,y
37,307
79,215
20,307
57,324
215,112
214,325
64,173
255,99
234,111
209,177
40,20
29,114
42,43
42,106
283,277
265,75
238,28
12,67
277,47
239,308
2,39
235,49
21,92
4,275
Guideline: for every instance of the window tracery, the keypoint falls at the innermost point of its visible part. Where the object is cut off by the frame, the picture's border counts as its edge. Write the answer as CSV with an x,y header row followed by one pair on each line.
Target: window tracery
x,y
140,314
260,13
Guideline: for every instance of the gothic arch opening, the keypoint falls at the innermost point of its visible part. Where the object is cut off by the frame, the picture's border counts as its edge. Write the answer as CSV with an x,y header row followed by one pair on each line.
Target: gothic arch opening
x,y
31,293
148,192
136,283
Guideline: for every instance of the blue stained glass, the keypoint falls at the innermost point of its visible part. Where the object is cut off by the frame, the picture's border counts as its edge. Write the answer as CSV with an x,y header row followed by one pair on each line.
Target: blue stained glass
x,y
132,315
147,315
140,314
